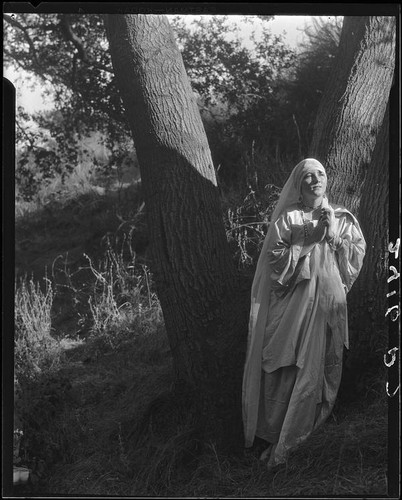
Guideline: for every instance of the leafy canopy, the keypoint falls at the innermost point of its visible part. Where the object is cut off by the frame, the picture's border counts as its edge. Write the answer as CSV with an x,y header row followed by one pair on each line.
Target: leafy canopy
x,y
255,93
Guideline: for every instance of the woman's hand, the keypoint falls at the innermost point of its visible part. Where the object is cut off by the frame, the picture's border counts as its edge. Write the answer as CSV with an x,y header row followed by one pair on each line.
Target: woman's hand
x,y
327,219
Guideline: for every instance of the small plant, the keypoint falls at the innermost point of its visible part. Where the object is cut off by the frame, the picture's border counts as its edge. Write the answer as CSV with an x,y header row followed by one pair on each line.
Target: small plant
x,y
37,356
35,349
246,223
122,295
102,304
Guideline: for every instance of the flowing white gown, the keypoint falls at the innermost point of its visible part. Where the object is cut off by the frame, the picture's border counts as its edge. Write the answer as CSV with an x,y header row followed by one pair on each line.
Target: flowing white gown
x,y
299,357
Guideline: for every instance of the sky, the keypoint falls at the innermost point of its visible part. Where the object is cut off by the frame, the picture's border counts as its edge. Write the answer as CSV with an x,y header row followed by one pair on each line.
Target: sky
x,y
289,26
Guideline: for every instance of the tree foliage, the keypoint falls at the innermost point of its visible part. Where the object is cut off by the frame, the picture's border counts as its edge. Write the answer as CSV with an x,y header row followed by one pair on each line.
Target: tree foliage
x,y
305,89
70,52
67,54
257,97
240,85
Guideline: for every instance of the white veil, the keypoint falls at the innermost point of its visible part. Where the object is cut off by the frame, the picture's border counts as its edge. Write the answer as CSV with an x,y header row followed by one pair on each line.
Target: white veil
x,y
260,293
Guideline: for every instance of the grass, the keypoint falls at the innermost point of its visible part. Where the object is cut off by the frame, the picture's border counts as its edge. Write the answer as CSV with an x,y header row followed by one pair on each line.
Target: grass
x,y
74,217
35,348
111,389
97,413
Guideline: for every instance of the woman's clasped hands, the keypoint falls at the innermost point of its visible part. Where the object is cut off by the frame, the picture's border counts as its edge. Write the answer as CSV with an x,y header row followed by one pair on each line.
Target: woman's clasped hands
x,y
325,227
327,219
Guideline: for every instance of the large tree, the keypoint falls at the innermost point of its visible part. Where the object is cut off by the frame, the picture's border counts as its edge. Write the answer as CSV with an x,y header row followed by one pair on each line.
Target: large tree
x,y
353,105
369,295
348,140
198,286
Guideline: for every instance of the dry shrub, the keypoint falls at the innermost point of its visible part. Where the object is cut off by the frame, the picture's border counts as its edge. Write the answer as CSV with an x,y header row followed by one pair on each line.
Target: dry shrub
x,y
122,298
246,221
35,348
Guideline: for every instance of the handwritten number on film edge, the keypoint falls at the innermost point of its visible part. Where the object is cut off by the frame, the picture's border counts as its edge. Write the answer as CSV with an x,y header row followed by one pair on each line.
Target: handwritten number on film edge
x,y
394,311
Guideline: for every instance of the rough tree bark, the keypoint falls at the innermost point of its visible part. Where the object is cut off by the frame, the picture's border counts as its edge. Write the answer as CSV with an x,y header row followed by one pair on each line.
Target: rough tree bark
x,y
198,286
353,105
374,213
368,297
348,140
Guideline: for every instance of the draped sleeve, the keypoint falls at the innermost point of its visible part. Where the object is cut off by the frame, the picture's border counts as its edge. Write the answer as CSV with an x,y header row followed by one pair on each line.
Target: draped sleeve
x,y
287,265
283,255
350,248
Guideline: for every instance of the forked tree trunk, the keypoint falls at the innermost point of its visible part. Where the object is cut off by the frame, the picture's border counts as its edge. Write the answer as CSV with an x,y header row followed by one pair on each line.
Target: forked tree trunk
x,y
197,284
353,105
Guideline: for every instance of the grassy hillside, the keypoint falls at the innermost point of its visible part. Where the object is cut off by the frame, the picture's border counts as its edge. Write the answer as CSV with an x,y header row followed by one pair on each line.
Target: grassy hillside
x,y
93,369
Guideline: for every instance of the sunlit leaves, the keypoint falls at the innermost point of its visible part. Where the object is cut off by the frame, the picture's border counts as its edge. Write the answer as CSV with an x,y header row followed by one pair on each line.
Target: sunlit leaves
x,y
237,67
220,65
69,53
254,91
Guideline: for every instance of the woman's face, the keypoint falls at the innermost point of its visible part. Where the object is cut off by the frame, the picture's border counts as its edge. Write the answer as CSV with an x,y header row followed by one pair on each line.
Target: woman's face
x,y
314,184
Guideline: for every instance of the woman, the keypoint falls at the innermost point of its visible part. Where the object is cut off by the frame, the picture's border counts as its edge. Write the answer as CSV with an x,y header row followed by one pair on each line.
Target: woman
x,y
312,254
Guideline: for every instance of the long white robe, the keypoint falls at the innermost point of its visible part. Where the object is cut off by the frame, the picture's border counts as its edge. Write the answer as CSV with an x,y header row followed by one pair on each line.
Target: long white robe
x,y
306,328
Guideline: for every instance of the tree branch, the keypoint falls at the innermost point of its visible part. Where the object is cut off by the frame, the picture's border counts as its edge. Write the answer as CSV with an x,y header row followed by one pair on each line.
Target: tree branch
x,y
17,58
31,139
11,20
72,37
78,43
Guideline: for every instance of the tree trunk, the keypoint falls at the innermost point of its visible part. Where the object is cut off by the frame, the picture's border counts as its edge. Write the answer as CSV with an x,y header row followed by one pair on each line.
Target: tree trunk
x,y
374,213
368,297
197,284
353,106
348,140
